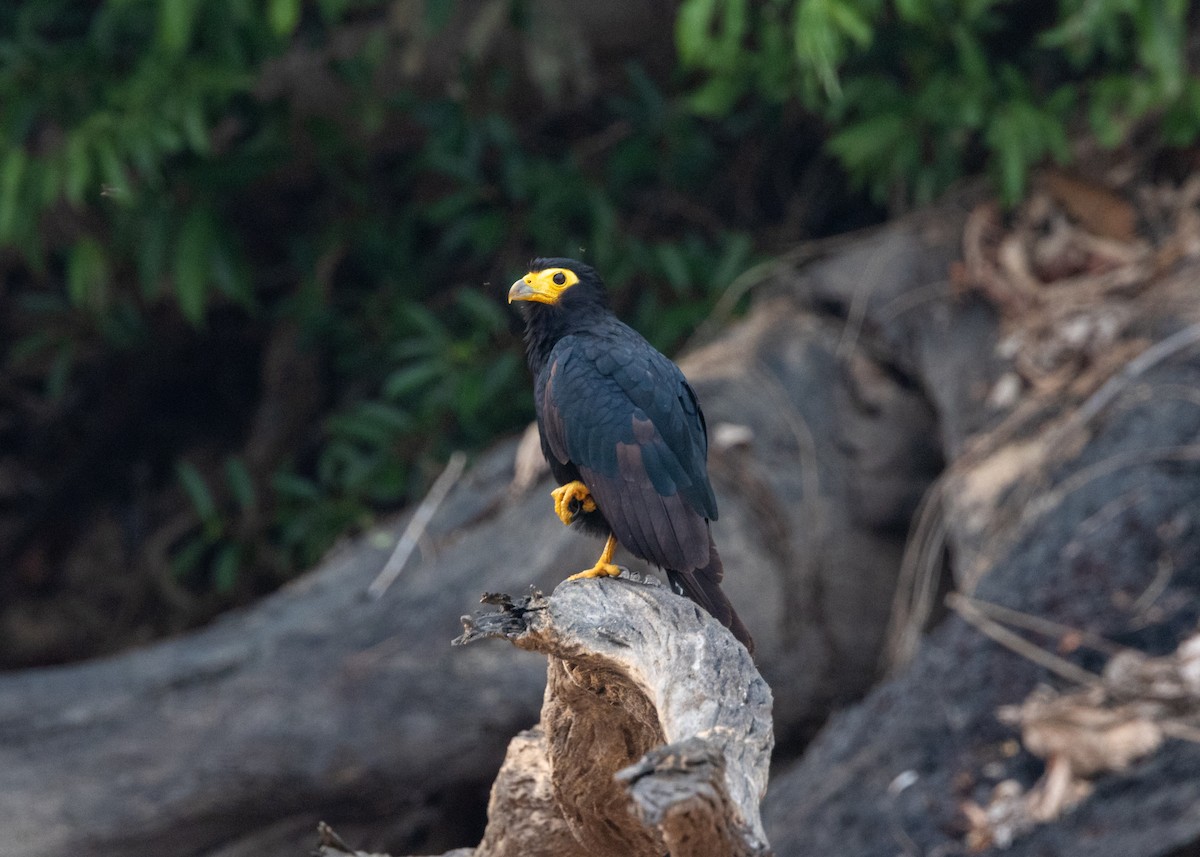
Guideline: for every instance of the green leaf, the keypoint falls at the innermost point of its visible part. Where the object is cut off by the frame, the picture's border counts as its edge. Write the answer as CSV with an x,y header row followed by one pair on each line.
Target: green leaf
x,y
342,464
78,166
375,424
294,487
425,322
227,274
176,18
226,567
437,13
852,24
283,15
152,254
395,419
389,482
1019,135
818,43
1181,124
485,313
499,378
861,145
674,265
187,558
194,126
1161,28
115,180
30,346
733,30
735,258
452,206
972,58
241,485
59,376
716,97
15,161
404,382
49,175
333,10
197,491
692,26
193,264
87,273
913,11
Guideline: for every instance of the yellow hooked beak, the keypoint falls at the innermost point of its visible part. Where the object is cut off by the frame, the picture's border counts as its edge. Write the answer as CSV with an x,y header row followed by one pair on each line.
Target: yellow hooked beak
x,y
544,286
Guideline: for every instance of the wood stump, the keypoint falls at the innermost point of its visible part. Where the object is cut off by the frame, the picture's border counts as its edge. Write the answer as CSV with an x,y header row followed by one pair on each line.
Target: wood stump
x,y
655,733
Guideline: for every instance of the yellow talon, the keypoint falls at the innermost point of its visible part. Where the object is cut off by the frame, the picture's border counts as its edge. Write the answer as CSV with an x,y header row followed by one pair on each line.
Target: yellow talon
x,y
572,493
604,566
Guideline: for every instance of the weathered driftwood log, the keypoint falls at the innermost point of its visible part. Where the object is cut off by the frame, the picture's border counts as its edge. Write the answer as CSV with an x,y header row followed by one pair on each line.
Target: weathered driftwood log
x,y
655,729
655,734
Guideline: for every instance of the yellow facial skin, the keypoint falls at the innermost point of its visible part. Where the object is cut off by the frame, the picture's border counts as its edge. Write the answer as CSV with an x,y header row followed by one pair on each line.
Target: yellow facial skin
x,y
543,286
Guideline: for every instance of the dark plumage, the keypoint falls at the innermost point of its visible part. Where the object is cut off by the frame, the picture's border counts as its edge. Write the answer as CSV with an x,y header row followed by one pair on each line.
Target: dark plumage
x,y
619,417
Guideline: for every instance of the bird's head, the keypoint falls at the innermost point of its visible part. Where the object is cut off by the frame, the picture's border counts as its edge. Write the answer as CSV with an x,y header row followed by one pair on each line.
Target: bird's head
x,y
561,283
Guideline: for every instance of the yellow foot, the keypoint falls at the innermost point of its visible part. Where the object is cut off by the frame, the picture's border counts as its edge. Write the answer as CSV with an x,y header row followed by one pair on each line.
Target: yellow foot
x,y
604,566
600,569
571,499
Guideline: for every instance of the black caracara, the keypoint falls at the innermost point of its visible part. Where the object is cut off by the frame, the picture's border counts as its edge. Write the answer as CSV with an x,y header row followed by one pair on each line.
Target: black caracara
x,y
623,433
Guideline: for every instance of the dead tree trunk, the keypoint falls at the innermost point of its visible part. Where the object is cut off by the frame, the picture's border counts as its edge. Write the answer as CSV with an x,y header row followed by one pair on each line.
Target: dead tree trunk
x,y
656,727
655,734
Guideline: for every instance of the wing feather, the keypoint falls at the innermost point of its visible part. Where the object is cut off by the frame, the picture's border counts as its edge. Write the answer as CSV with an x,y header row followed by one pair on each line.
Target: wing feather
x,y
625,417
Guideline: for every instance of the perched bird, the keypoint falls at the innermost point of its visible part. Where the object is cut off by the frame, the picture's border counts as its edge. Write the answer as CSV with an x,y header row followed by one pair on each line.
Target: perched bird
x,y
623,433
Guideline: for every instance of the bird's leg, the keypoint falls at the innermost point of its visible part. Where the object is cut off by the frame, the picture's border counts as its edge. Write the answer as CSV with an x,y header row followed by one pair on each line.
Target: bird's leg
x,y
570,499
604,566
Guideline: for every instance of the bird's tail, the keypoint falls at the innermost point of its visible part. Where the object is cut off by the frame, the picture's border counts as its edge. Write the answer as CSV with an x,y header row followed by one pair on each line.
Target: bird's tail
x,y
704,587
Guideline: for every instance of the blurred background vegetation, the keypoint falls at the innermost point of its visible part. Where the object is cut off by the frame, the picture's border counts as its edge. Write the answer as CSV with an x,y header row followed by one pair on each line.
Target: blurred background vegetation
x,y
254,254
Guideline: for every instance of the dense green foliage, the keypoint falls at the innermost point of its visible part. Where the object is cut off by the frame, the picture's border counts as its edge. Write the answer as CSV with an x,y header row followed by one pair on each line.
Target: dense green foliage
x,y
152,167
212,172
920,92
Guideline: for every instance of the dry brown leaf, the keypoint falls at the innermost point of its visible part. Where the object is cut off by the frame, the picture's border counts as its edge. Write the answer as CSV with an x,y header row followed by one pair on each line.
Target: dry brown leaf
x,y
1057,792
1001,821
1079,730
1173,679
1103,728
1095,206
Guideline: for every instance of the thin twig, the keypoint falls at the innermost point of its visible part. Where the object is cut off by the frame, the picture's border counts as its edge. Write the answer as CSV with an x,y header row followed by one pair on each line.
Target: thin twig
x,y
1163,572
917,582
754,276
1041,625
416,527
807,460
860,299
912,299
1182,731
1152,356
997,632
749,279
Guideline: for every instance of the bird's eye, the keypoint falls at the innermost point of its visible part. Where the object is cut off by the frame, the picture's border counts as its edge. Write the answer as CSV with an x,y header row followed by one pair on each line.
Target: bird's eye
x,y
559,278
